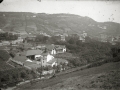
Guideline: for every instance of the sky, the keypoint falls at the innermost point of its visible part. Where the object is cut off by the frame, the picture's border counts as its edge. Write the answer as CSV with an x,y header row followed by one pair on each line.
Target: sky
x,y
100,11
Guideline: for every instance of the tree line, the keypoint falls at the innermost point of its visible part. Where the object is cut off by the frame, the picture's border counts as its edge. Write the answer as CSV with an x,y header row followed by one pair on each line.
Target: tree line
x,y
8,36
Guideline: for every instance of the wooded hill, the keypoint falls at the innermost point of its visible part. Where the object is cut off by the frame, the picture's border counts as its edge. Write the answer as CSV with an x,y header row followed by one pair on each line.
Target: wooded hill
x,y
55,24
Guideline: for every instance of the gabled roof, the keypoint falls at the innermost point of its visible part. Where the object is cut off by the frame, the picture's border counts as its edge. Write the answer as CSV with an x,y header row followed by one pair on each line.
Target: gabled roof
x,y
20,58
59,47
44,54
49,47
34,52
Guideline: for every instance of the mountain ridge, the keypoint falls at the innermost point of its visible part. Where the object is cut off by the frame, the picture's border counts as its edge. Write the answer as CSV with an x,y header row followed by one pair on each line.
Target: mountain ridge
x,y
53,24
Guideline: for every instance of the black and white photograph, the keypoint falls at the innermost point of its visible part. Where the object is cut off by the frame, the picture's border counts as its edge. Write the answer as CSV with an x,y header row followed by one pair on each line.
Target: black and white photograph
x,y
59,44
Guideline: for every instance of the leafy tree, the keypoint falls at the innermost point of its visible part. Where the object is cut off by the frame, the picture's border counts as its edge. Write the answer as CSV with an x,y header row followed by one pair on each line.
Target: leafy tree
x,y
4,56
12,54
23,74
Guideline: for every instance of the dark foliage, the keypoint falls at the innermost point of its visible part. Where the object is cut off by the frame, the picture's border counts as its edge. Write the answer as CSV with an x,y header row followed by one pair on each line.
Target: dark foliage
x,y
7,36
4,56
14,76
88,52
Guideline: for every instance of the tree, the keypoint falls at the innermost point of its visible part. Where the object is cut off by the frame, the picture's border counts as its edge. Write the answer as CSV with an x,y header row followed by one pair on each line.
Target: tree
x,y
40,71
114,51
12,54
23,74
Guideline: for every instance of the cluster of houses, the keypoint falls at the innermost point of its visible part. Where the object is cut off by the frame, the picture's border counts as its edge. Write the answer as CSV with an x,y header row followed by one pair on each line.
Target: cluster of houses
x,y
13,42
44,58
83,36
110,39
41,56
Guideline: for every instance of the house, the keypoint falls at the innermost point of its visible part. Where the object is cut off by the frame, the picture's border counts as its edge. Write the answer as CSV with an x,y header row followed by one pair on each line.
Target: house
x,y
15,42
20,39
33,54
55,49
51,49
40,47
5,43
39,57
23,61
62,37
52,63
81,38
31,37
84,34
60,48
48,57
14,33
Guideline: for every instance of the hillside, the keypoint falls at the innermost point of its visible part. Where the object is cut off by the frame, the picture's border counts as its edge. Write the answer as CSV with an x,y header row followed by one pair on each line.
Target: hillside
x,y
105,77
4,56
52,24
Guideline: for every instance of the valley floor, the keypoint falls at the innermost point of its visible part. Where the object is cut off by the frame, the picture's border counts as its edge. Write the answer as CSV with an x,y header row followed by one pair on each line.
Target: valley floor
x,y
104,77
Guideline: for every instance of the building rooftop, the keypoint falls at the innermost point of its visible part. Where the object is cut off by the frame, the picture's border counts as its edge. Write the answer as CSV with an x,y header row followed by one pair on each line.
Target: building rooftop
x,y
44,54
20,58
59,46
34,52
50,47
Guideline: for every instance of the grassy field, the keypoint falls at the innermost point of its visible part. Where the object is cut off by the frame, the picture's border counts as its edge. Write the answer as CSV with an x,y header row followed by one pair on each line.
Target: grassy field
x,y
104,77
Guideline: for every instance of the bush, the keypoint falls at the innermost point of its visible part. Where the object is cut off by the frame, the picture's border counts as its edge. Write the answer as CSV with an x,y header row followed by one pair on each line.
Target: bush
x,y
12,54
13,76
4,56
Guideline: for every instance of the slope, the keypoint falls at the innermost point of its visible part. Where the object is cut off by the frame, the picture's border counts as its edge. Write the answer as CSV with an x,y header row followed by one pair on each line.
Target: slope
x,y
98,78
55,24
4,56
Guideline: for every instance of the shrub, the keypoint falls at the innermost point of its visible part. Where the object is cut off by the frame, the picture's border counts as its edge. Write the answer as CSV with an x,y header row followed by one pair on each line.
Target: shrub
x,y
4,56
13,76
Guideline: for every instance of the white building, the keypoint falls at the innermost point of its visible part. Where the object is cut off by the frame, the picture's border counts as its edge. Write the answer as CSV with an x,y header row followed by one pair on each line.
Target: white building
x,y
55,49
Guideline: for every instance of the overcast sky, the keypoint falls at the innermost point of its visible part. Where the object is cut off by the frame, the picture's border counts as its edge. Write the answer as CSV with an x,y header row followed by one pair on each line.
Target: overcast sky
x,y
98,10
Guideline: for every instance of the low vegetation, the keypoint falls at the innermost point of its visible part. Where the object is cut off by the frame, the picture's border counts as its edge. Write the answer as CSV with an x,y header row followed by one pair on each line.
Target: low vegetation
x,y
106,81
7,36
4,56
105,77
13,76
9,75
